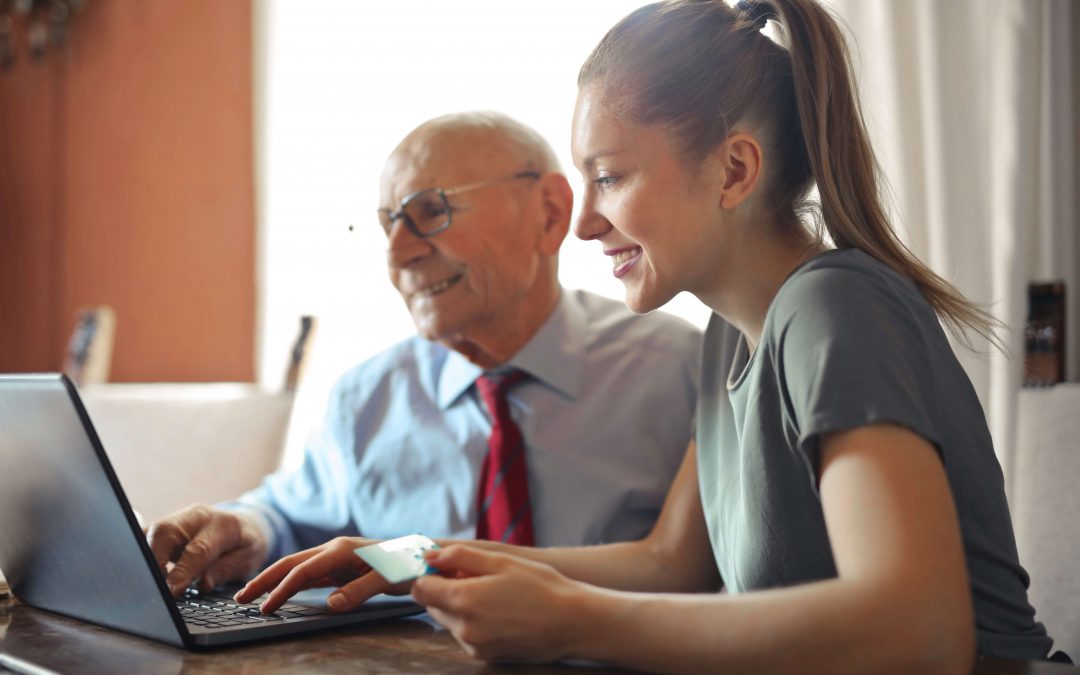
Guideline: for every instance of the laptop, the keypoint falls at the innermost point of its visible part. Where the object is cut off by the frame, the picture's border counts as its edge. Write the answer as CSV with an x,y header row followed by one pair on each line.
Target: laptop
x,y
70,543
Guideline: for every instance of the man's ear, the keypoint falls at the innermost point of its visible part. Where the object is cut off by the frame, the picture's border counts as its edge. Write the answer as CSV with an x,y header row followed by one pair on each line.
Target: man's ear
x,y
558,203
739,159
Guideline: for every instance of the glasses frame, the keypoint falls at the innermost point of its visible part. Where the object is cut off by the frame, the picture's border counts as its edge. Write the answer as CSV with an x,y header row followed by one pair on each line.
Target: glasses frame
x,y
393,216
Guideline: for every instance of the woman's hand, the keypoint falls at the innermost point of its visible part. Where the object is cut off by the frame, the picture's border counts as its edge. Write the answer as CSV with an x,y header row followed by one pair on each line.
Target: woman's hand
x,y
332,564
500,607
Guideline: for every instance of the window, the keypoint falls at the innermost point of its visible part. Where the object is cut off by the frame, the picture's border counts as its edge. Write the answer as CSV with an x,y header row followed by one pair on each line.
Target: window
x,y
338,85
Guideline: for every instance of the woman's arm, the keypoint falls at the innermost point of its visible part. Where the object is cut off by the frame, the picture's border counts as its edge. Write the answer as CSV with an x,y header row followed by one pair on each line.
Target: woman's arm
x,y
675,557
901,602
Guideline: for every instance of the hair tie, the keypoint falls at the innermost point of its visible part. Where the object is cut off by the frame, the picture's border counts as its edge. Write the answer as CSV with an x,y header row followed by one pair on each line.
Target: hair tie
x,y
756,12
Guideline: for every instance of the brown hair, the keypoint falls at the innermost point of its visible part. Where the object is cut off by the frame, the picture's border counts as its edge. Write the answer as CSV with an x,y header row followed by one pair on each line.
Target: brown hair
x,y
700,66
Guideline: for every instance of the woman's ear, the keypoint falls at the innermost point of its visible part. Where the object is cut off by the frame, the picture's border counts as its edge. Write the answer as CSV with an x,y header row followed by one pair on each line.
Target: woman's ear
x,y
558,203
739,159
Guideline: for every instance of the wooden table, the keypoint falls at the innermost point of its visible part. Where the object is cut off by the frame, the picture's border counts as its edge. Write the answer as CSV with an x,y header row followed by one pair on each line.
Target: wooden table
x,y
412,645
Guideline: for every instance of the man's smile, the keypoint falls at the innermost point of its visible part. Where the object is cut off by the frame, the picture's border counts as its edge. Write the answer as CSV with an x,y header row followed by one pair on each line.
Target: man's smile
x,y
438,287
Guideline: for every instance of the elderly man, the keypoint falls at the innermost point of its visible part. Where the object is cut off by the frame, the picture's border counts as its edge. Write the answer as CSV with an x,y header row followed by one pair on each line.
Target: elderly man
x,y
521,412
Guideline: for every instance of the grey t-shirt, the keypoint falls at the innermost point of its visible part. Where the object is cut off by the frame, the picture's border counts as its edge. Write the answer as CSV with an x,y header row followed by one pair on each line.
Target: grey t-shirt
x,y
847,342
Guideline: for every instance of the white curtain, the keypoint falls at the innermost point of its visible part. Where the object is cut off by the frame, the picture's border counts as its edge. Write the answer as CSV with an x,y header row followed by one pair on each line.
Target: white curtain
x,y
970,105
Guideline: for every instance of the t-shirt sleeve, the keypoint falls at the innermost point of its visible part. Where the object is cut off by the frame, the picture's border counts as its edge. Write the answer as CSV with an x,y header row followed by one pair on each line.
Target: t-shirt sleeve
x,y
851,351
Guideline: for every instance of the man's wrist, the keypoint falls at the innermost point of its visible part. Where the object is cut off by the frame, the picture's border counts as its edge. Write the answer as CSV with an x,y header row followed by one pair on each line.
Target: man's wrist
x,y
259,531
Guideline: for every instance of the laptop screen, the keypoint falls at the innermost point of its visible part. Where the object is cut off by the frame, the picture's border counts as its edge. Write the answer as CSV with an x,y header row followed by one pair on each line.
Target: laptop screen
x,y
69,542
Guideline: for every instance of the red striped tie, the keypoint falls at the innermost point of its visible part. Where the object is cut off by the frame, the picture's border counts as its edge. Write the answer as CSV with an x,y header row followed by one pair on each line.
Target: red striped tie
x,y
503,511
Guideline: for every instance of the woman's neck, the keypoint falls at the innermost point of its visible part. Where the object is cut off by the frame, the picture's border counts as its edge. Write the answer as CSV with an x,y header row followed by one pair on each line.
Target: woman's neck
x,y
754,276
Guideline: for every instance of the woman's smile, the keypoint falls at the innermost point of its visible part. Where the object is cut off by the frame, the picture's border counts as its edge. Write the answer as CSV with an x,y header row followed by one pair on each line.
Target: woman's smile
x,y
624,258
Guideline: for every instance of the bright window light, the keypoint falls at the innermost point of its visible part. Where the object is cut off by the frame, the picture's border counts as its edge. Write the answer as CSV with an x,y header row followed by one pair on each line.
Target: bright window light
x,y
338,85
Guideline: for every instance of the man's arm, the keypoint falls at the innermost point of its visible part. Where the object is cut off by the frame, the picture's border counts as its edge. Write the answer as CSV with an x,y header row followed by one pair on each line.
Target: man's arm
x,y
291,509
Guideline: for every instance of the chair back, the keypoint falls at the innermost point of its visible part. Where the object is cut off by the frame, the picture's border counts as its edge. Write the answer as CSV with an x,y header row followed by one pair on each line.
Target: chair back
x,y
1045,504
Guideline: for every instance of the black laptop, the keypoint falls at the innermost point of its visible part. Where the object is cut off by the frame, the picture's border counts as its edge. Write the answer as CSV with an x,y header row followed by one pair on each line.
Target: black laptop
x,y
70,543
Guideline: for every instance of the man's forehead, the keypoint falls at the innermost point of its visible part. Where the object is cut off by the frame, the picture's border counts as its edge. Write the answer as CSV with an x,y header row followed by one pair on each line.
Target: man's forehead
x,y
444,158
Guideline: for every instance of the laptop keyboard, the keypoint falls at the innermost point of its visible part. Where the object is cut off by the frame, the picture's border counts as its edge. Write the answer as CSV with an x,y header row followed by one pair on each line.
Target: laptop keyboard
x,y
207,610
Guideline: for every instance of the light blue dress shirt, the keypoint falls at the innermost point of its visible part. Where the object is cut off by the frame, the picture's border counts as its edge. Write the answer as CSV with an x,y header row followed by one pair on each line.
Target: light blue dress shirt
x,y
606,414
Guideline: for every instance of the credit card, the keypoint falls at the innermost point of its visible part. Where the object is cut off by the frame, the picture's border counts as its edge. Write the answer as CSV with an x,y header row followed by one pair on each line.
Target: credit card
x,y
399,559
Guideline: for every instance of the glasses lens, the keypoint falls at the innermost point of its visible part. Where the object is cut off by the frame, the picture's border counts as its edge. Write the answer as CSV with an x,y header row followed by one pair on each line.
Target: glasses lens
x,y
384,220
428,211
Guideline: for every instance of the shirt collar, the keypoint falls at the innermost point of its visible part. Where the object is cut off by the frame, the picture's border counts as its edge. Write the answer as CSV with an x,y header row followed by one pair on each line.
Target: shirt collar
x,y
555,355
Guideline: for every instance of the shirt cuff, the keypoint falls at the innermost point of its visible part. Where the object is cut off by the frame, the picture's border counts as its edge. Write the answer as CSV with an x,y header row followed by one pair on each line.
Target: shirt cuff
x,y
272,524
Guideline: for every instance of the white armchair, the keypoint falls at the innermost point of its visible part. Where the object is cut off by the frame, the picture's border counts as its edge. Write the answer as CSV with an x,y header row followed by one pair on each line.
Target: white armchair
x,y
175,444
1045,501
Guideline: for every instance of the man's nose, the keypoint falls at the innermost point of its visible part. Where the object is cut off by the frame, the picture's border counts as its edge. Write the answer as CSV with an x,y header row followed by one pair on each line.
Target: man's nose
x,y
402,245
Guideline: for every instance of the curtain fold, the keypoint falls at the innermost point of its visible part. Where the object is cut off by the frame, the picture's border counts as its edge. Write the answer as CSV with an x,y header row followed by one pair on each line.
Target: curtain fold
x,y
969,104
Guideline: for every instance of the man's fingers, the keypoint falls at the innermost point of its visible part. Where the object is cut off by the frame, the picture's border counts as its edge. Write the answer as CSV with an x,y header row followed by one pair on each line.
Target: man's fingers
x,y
466,561
166,542
168,537
229,567
198,554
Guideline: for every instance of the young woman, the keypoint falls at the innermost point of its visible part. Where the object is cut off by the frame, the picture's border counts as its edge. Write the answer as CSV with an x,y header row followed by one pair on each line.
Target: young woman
x,y
842,488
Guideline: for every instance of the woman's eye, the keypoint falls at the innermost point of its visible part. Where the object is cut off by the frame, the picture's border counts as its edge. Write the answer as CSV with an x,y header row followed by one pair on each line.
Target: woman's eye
x,y
606,181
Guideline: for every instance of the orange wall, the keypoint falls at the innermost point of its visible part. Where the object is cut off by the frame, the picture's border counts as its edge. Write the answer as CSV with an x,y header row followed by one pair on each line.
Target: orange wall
x,y
126,178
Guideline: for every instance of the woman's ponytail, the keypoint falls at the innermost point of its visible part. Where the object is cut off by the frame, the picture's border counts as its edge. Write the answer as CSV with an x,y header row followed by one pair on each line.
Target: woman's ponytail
x,y
843,164
700,66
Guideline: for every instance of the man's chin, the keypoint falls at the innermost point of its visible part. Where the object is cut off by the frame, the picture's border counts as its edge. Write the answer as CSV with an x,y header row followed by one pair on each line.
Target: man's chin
x,y
455,339
432,329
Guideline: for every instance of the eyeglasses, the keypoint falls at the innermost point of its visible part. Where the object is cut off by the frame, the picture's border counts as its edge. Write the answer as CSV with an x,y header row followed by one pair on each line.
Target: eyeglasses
x,y
427,212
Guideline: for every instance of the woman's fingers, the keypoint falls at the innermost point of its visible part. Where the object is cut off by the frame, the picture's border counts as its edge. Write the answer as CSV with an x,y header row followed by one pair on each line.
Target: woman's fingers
x,y
356,592
334,561
435,592
457,565
463,571
500,607
453,624
272,576
458,561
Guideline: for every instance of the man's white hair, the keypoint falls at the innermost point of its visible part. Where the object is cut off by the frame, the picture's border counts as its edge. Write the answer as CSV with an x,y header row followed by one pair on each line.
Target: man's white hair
x,y
535,153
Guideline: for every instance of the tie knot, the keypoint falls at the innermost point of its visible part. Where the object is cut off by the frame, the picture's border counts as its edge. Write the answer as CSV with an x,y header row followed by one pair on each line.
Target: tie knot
x,y
493,387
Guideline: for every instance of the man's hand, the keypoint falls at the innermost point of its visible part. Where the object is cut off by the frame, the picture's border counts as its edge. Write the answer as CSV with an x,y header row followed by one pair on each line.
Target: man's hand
x,y
208,544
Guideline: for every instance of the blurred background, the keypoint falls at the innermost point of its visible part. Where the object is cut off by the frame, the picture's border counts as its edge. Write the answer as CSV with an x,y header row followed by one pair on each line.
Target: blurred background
x,y
178,179
195,166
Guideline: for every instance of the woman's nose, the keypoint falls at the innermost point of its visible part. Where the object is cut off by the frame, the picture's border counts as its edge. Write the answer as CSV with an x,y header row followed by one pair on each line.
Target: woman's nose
x,y
590,224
